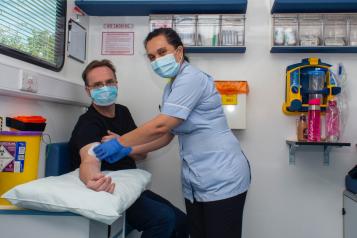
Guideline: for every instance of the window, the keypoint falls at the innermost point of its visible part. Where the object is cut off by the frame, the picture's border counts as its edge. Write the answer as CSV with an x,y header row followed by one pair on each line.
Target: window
x,y
34,31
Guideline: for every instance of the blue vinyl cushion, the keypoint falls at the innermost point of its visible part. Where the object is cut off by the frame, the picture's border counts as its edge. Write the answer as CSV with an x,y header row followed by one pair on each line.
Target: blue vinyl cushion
x,y
58,159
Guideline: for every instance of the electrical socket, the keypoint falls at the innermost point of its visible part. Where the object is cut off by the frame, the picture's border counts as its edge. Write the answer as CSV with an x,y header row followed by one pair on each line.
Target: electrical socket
x,y
29,83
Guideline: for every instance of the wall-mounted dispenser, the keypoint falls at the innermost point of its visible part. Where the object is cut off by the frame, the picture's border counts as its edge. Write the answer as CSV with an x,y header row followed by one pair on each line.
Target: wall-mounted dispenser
x,y
234,94
308,80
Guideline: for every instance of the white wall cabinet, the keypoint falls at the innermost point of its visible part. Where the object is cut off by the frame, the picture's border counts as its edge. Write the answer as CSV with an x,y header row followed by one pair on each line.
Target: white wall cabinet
x,y
15,223
350,215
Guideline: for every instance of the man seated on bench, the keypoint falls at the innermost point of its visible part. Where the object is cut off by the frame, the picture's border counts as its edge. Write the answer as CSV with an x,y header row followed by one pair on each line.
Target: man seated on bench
x,y
151,214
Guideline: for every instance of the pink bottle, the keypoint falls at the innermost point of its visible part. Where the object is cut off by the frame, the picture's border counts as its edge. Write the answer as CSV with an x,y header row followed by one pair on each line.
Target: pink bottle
x,y
314,120
332,122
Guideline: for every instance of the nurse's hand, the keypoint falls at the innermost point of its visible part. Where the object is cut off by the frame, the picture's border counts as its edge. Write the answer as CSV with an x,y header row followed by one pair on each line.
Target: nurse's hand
x,y
118,156
111,151
99,182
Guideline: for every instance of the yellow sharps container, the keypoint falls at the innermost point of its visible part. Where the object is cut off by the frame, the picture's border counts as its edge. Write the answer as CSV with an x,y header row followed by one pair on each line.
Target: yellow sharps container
x,y
19,157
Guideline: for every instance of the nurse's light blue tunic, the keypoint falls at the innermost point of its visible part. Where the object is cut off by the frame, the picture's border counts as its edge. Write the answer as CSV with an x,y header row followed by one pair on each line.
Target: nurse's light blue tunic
x,y
213,165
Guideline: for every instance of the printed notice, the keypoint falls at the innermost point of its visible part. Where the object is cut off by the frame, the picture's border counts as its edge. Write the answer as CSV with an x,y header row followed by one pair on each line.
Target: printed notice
x,y
12,156
117,43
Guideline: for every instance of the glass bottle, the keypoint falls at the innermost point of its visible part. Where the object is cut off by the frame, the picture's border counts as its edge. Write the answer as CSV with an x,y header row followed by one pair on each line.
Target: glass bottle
x,y
302,128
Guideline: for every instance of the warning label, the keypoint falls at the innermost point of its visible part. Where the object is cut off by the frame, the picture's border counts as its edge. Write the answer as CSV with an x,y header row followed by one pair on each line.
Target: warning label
x,y
12,156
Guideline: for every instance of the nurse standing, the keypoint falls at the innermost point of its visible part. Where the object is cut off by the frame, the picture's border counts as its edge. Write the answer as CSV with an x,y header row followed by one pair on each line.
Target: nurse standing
x,y
215,172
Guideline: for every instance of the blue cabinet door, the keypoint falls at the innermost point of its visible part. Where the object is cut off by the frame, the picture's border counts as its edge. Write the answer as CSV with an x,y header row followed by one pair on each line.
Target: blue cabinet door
x,y
314,6
147,7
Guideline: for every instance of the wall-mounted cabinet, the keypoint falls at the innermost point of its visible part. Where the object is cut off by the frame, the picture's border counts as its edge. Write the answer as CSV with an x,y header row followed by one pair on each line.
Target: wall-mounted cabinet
x,y
205,26
320,26
349,214
147,7
204,33
324,33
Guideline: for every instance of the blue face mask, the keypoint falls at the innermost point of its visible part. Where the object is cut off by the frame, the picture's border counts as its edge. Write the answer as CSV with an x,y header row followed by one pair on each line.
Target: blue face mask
x,y
104,96
166,66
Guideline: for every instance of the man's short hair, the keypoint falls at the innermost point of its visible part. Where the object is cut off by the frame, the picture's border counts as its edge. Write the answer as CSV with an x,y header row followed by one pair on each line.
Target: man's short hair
x,y
95,64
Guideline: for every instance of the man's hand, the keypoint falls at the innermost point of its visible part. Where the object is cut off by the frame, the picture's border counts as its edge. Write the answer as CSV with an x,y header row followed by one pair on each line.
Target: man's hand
x,y
100,182
111,135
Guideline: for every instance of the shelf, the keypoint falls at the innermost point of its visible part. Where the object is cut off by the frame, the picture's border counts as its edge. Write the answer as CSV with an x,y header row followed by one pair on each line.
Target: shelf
x,y
147,7
314,6
321,49
219,49
314,33
293,145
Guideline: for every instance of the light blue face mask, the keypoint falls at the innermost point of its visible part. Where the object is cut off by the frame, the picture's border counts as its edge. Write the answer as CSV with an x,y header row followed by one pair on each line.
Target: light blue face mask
x,y
104,96
166,66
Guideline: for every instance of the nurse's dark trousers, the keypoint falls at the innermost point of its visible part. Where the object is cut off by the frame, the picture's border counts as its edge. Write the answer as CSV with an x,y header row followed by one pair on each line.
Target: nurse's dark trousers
x,y
217,219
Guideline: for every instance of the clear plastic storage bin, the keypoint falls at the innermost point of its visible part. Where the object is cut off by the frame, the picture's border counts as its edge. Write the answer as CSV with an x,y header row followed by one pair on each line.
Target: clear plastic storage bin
x,y
185,26
335,30
353,31
285,30
310,30
232,30
207,30
160,21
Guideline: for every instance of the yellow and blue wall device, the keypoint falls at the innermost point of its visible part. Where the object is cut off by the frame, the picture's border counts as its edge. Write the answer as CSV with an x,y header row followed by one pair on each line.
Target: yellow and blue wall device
x,y
297,85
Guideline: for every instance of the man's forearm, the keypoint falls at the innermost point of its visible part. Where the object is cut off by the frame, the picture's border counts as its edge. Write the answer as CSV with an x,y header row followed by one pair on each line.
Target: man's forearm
x,y
87,169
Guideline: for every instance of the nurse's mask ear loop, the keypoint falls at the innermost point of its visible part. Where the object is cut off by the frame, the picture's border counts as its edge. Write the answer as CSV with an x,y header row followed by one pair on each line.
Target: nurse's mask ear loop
x,y
182,57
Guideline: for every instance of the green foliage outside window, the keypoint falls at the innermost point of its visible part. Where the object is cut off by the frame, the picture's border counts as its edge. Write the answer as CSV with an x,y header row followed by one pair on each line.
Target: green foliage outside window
x,y
40,44
33,31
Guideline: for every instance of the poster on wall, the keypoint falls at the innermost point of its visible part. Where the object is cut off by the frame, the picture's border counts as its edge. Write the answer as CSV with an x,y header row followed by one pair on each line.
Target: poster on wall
x,y
117,43
77,41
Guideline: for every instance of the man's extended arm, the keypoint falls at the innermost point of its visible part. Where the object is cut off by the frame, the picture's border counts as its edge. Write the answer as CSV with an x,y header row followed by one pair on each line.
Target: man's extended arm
x,y
90,174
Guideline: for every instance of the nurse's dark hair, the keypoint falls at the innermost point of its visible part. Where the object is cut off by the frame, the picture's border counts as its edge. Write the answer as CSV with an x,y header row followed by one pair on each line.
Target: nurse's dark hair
x,y
171,36
95,64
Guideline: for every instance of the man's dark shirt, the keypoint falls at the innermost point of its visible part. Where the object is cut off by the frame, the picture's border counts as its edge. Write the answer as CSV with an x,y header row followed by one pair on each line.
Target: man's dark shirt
x,y
92,126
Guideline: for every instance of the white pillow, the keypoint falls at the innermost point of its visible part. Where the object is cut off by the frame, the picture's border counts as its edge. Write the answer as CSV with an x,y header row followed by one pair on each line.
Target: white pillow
x,y
68,193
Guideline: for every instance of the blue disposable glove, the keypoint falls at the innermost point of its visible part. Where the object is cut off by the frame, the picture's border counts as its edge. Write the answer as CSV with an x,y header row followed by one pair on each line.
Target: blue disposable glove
x,y
110,148
118,156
